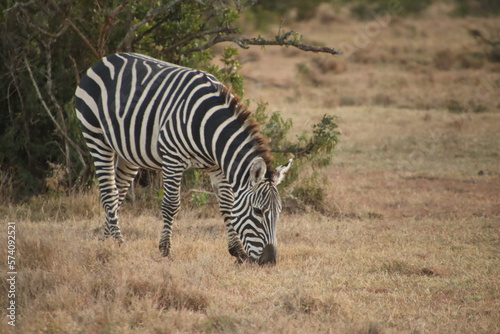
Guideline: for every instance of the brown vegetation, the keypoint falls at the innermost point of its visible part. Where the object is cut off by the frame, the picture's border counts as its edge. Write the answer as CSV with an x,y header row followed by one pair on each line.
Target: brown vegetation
x,y
411,245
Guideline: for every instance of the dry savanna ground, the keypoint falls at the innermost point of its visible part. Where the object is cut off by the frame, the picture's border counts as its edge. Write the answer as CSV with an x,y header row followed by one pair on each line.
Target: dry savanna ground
x,y
412,244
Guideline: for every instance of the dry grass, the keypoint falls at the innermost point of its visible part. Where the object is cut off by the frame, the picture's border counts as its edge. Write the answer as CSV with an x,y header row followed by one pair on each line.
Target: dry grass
x,y
414,247
416,274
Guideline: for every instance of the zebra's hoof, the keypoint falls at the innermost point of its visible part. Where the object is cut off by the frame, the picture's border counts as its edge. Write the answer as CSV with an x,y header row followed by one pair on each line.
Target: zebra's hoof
x,y
118,239
164,250
241,260
240,255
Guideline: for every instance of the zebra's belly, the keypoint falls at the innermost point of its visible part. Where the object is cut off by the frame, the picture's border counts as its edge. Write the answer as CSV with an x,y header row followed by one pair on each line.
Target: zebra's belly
x,y
143,160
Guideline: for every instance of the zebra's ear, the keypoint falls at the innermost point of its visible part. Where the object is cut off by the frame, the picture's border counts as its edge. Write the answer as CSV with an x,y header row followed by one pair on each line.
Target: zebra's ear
x,y
279,172
257,171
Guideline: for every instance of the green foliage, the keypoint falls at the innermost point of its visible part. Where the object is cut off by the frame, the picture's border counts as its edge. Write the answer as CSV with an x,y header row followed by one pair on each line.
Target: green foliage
x,y
45,47
318,147
229,74
194,178
199,198
311,192
325,135
309,149
274,128
260,112
59,41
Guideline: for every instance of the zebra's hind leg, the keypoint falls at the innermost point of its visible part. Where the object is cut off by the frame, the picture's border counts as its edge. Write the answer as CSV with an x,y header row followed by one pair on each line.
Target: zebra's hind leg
x,y
125,173
106,177
170,205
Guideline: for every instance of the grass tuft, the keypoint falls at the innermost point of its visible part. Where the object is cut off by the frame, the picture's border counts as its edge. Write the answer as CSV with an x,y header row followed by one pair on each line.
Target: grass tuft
x,y
397,267
171,294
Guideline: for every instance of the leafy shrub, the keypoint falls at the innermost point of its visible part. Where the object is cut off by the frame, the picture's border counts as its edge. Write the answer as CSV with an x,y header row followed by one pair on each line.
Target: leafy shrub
x,y
229,73
313,149
46,46
310,192
274,128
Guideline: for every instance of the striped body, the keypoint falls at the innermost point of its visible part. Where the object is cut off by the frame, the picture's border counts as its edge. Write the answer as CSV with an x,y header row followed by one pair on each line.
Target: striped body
x,y
139,112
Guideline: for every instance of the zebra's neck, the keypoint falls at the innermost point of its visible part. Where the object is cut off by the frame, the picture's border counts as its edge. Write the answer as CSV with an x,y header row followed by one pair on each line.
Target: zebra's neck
x,y
231,135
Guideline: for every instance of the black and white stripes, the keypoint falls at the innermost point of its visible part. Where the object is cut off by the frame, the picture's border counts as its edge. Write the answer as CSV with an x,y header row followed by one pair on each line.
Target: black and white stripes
x,y
139,112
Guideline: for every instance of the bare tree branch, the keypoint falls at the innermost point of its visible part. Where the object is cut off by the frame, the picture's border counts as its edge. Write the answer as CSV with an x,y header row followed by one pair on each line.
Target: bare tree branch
x,y
109,22
45,32
280,40
18,5
283,40
190,37
216,40
59,109
297,151
75,69
59,127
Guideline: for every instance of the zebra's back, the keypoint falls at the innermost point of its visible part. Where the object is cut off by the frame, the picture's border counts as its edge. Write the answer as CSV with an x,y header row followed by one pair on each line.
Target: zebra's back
x,y
126,100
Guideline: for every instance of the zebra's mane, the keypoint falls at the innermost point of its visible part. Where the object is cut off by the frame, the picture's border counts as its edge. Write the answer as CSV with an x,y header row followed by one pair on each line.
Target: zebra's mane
x,y
244,116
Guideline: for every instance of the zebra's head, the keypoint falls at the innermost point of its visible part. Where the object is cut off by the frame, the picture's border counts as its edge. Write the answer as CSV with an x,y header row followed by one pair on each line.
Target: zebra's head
x,y
258,212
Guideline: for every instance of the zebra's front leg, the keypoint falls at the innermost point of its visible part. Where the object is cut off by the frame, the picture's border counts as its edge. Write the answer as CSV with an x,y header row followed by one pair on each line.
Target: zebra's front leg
x,y
170,204
112,228
235,246
125,173
226,200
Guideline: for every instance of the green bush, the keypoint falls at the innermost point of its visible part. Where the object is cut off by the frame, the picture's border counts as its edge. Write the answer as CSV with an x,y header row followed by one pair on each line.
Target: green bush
x,y
311,193
45,46
310,150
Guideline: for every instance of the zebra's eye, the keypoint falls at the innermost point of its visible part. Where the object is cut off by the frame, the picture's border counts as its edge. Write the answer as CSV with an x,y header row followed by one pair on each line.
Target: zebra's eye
x,y
257,212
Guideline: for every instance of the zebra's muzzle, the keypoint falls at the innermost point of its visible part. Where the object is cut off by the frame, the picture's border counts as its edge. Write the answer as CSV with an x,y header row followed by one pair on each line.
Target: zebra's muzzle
x,y
268,255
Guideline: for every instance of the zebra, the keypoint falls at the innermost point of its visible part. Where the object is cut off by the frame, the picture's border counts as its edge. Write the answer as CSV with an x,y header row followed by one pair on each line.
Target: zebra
x,y
139,112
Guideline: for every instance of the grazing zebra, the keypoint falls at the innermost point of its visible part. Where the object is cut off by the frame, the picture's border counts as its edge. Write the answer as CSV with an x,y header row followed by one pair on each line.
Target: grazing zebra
x,y
139,112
